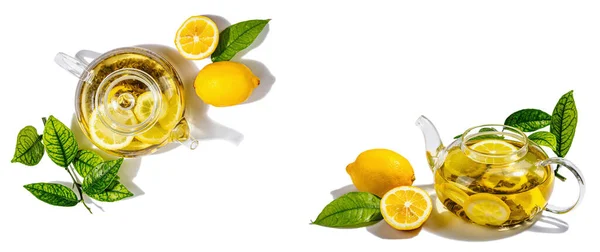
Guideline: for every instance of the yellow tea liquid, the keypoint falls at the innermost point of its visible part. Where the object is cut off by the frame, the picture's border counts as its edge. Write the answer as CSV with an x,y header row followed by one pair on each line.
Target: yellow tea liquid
x,y
172,100
522,185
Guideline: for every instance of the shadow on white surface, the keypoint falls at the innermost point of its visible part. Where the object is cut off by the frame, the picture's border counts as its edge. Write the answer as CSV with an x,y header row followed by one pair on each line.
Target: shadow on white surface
x,y
266,80
385,231
443,223
202,127
221,22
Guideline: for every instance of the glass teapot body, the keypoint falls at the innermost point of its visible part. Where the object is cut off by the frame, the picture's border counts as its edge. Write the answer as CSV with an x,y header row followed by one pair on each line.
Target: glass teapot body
x,y
129,101
493,175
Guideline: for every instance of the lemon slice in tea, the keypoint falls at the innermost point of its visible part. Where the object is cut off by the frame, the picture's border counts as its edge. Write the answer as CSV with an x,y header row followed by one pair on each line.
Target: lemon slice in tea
x,y
457,163
486,209
105,137
495,148
454,193
144,105
154,135
173,115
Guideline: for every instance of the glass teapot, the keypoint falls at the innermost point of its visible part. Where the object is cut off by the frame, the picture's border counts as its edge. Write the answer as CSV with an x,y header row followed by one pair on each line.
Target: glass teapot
x,y
492,175
129,101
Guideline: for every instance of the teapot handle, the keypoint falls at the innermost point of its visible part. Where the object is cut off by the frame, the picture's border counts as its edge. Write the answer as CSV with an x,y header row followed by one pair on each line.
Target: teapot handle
x,y
73,65
576,172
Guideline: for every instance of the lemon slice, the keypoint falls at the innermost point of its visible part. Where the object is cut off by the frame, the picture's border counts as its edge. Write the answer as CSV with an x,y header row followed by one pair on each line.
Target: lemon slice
x,y
486,209
496,148
105,137
454,193
154,135
144,105
406,207
457,163
173,115
197,38
136,145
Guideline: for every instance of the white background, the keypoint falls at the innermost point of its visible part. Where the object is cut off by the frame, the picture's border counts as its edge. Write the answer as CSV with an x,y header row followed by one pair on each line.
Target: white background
x,y
339,77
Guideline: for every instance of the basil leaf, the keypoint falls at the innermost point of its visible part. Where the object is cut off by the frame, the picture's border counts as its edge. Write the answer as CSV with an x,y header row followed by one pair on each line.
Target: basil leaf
x,y
544,138
237,37
564,121
29,150
115,192
60,142
85,161
528,120
101,177
53,194
354,209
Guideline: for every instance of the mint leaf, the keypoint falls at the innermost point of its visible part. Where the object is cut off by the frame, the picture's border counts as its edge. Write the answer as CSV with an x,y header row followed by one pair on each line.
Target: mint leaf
x,y
528,120
101,177
237,37
564,121
115,192
85,161
544,138
60,142
29,150
53,194
354,209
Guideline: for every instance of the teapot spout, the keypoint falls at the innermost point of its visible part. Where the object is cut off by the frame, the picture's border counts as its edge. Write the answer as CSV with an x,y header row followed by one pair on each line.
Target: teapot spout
x,y
433,142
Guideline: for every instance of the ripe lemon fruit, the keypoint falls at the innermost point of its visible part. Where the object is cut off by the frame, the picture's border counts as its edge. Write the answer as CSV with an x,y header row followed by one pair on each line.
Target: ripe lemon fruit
x,y
225,83
197,38
486,209
406,207
380,170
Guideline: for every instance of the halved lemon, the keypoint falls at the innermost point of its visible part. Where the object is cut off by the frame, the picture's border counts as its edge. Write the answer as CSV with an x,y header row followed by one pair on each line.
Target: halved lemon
x,y
486,209
144,105
173,115
105,137
154,135
454,193
197,38
406,207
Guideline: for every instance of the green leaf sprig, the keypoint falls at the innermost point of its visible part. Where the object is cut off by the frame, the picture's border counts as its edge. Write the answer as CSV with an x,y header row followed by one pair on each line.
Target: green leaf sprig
x,y
354,209
236,38
100,180
562,122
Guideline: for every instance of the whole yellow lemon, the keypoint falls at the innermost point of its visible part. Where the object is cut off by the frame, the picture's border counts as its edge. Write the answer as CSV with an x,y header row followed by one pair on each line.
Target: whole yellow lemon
x,y
379,170
225,83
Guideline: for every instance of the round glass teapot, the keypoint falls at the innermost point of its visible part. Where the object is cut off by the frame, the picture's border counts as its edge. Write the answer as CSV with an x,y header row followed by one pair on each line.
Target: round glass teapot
x,y
492,175
129,101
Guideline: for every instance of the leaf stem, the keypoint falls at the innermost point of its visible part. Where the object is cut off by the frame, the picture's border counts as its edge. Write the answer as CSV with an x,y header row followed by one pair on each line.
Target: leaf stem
x,y
79,190
556,174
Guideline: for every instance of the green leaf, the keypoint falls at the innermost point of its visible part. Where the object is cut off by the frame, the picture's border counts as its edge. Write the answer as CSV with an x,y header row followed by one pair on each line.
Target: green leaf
x,y
528,120
53,194
237,37
544,138
115,192
354,209
101,177
60,142
29,150
564,122
85,161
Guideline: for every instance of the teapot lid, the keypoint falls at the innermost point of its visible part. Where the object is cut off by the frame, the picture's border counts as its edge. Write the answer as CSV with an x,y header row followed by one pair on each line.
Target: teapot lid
x,y
115,101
